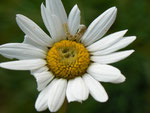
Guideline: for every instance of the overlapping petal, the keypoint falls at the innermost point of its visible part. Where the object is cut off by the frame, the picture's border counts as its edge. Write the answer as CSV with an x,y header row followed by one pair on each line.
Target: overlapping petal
x,y
96,89
52,96
115,47
104,73
21,51
77,90
33,31
41,103
29,41
53,24
39,70
56,7
106,41
57,94
70,96
43,79
99,26
112,58
74,20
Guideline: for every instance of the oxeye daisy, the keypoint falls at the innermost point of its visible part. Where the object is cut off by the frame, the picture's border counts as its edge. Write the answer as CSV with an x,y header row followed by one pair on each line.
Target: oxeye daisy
x,y
72,61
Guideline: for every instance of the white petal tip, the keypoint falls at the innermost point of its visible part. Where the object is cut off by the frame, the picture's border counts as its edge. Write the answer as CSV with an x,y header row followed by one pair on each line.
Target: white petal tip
x,y
121,79
128,52
132,38
18,15
124,31
69,101
38,108
42,5
105,99
3,65
76,7
53,110
39,89
131,51
113,8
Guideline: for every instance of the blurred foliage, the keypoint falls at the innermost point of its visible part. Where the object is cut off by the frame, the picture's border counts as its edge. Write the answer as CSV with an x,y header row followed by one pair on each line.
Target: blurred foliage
x,y
18,88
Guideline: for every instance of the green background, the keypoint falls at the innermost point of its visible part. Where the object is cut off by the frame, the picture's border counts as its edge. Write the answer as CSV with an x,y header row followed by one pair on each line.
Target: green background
x,y
18,88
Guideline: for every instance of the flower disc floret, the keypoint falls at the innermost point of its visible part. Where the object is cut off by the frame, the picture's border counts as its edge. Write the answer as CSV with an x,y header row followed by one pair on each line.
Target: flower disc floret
x,y
68,59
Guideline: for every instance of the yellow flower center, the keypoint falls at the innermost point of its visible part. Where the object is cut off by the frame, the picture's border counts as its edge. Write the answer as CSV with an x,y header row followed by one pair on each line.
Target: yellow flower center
x,y
68,59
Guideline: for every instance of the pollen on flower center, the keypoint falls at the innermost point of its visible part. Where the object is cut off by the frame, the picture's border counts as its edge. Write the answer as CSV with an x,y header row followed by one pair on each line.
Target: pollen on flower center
x,y
68,59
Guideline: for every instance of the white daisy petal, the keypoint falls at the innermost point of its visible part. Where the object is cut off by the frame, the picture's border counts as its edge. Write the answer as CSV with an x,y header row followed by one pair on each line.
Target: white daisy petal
x,y
39,70
24,64
74,20
21,51
70,96
121,79
104,73
112,58
57,94
57,31
77,89
29,41
55,27
33,31
106,41
43,79
44,17
38,54
96,89
99,26
41,103
119,45
7,56
56,7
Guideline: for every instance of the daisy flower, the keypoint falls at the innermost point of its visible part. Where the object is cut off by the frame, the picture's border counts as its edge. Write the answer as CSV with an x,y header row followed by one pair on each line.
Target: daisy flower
x,y
73,60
